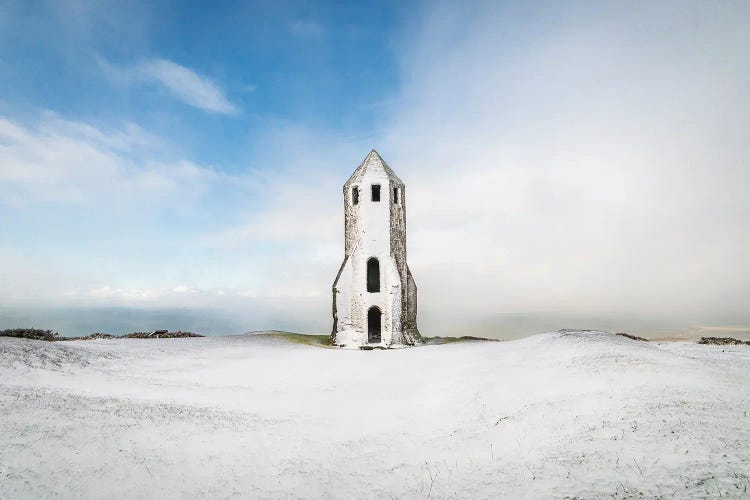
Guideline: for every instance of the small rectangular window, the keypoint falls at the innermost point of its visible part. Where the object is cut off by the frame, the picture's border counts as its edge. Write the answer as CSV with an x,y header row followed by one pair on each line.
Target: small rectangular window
x,y
396,197
376,192
355,195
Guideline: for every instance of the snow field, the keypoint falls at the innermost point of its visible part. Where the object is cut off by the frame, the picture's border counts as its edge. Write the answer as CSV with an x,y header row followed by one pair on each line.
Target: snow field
x,y
561,414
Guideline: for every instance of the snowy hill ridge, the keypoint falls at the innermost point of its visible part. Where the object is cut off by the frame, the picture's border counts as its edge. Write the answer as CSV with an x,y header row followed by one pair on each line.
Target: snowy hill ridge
x,y
559,414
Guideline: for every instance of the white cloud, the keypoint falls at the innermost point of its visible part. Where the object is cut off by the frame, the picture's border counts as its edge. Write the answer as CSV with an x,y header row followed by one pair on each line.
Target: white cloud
x,y
594,165
188,86
184,83
57,160
128,295
113,217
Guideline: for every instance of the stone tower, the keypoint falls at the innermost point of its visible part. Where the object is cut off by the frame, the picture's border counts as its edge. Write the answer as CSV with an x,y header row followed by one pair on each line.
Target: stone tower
x,y
374,295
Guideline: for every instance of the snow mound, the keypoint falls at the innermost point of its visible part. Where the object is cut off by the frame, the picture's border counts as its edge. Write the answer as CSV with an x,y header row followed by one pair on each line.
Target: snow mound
x,y
38,354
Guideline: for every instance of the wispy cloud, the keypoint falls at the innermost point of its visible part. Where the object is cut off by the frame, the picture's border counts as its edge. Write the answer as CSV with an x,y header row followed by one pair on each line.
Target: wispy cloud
x,y
61,161
187,85
183,83
123,211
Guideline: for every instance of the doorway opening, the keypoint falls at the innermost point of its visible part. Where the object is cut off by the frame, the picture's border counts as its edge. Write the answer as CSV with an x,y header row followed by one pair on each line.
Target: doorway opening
x,y
373,325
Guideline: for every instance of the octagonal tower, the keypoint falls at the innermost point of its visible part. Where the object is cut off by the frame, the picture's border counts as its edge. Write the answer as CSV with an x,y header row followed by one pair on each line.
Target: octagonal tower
x,y
374,294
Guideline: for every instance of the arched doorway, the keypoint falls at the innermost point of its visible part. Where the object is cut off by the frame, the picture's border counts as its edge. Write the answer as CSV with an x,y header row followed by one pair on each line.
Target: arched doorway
x,y
373,325
373,275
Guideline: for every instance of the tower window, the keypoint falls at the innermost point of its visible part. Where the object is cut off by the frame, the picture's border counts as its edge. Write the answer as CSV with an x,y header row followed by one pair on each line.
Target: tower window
x,y
373,275
355,195
396,197
376,192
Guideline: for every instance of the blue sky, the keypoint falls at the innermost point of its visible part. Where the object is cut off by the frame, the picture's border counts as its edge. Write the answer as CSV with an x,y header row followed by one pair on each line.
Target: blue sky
x,y
327,66
563,160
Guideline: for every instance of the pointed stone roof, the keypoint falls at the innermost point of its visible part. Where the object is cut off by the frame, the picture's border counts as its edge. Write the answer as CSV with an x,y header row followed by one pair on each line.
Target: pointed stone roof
x,y
373,162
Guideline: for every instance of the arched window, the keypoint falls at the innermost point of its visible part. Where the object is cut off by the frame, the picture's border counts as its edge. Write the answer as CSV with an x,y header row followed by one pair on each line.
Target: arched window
x,y
373,325
373,275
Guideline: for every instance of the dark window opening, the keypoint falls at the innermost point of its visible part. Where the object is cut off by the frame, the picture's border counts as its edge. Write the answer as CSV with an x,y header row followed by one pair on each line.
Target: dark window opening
x,y
376,192
396,198
373,275
373,325
355,195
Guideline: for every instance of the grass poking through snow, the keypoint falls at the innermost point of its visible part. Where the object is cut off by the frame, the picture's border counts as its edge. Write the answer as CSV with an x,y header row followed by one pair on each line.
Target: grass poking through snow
x,y
301,338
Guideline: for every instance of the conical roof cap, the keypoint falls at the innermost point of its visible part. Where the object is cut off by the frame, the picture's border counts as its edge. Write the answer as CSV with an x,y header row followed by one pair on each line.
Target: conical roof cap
x,y
373,162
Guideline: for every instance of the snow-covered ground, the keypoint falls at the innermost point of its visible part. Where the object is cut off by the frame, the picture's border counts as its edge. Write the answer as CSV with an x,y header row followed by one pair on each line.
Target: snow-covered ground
x,y
553,415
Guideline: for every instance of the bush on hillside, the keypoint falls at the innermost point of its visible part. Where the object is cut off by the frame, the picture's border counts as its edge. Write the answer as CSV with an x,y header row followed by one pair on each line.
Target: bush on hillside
x,y
722,341
30,333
